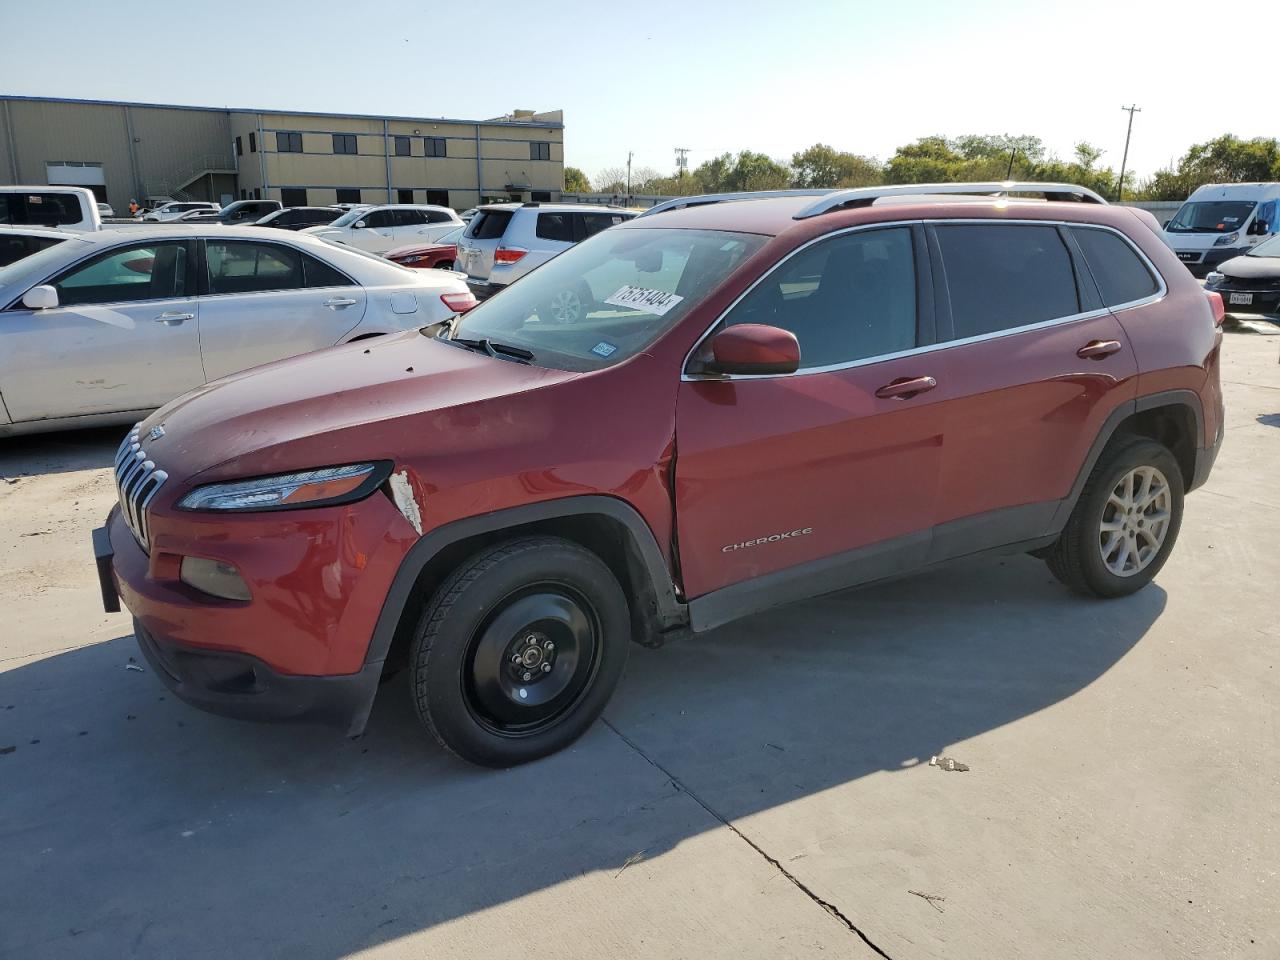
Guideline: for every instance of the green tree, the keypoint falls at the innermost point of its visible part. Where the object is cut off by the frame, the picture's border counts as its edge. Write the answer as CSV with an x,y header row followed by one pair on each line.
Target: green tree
x,y
824,166
757,171
575,181
1226,159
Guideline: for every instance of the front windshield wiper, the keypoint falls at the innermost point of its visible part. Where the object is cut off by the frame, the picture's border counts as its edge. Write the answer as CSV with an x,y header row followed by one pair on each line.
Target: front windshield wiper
x,y
500,351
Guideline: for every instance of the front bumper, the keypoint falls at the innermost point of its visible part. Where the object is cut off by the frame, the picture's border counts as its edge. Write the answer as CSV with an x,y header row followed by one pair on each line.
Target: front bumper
x,y
1202,262
1261,300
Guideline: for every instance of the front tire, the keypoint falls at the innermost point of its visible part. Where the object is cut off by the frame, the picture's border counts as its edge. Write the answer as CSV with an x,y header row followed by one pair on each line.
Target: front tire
x,y
1125,523
519,650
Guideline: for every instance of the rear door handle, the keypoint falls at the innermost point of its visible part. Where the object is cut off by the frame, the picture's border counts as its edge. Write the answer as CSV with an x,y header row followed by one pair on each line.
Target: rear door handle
x,y
173,319
337,303
1097,349
906,387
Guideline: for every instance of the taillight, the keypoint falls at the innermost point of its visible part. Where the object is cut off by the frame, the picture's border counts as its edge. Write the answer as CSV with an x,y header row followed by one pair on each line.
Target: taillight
x,y
1217,306
508,254
459,302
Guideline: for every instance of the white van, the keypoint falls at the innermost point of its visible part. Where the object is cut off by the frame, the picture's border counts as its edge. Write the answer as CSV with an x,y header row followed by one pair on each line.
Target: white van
x,y
1223,220
66,208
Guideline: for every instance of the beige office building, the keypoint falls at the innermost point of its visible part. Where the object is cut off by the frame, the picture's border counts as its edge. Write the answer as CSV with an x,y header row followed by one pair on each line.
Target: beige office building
x,y
150,151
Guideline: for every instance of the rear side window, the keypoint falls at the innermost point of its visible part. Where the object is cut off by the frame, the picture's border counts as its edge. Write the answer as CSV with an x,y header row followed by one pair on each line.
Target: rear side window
x,y
380,218
40,209
489,224
238,267
410,218
320,274
593,223
438,216
1003,276
555,226
1121,275
849,298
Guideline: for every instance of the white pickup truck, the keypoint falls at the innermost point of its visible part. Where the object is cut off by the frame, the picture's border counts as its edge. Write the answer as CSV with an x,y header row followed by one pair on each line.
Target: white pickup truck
x,y
64,208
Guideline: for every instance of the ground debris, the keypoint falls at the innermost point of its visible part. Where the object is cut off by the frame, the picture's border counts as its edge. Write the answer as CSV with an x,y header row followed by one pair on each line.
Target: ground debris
x,y
134,666
947,763
8,749
633,859
931,898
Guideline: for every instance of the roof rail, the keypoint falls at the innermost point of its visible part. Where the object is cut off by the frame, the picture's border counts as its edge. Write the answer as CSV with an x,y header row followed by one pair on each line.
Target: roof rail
x,y
865,196
705,198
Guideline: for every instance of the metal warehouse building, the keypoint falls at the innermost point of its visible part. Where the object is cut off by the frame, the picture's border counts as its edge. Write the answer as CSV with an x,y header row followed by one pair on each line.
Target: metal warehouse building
x,y
150,151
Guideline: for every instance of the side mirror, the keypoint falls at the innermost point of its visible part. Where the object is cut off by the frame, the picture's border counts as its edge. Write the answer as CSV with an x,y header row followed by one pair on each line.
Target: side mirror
x,y
1259,228
753,349
40,298
359,225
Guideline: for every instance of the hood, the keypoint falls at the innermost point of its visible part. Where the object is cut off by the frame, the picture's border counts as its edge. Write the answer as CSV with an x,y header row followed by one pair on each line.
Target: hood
x,y
1251,268
322,228
341,405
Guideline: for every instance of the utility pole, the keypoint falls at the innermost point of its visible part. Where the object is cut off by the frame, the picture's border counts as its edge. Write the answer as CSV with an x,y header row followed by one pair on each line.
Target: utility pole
x,y
1125,160
682,161
629,155
1012,156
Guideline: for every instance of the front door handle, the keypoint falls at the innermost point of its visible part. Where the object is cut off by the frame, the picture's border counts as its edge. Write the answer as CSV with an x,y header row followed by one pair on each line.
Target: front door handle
x,y
1098,349
172,318
906,387
337,303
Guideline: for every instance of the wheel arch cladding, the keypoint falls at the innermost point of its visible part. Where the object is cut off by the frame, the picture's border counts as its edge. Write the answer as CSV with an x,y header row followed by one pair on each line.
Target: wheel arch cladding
x,y
1173,420
608,527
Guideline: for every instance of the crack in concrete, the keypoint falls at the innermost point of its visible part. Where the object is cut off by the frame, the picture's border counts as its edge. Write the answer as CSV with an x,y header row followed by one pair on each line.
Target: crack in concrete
x,y
826,905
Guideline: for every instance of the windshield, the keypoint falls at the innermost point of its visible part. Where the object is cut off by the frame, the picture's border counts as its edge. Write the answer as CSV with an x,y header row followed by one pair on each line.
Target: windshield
x,y
350,217
1268,248
453,236
1212,216
609,297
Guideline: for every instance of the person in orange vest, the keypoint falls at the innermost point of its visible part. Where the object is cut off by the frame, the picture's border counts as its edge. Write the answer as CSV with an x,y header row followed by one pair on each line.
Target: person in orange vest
x,y
133,208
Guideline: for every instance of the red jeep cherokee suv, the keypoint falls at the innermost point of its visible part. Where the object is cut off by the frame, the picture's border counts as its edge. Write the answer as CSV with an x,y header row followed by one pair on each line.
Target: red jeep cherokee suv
x,y
772,396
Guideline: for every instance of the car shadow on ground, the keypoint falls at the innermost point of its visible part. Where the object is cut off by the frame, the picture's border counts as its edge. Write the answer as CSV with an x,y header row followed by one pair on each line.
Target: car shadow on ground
x,y
68,451
135,825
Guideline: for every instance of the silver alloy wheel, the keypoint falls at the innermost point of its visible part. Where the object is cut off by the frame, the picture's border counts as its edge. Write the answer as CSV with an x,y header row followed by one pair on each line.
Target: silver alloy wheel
x,y
566,306
1135,521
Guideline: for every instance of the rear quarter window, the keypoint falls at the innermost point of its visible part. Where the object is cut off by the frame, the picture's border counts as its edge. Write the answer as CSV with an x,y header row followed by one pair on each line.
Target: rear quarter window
x,y
1002,276
1121,275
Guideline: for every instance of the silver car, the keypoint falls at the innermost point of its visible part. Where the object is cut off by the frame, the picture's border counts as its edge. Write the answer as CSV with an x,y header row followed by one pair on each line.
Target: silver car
x,y
107,325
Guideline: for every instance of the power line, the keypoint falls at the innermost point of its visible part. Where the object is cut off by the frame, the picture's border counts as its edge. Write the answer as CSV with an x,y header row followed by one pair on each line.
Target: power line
x,y
1125,160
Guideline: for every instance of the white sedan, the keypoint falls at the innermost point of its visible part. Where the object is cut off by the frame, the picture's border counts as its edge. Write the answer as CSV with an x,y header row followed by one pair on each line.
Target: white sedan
x,y
106,326
384,227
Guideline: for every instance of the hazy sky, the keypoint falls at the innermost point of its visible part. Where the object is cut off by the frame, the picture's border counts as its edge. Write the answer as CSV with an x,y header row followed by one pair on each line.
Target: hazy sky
x,y
711,75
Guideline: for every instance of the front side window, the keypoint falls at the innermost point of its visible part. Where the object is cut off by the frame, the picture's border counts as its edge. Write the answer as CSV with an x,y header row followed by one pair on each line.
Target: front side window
x,y
155,271
244,267
847,298
435,147
1211,216
1121,275
607,298
555,226
380,219
1002,276
410,218
344,143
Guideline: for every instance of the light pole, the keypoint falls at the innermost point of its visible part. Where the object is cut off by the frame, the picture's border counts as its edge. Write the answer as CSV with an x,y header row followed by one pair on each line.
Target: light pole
x,y
1124,161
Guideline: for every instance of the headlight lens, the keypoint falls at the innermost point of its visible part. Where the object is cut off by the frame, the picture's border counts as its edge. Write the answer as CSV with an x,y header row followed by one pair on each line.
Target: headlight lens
x,y
309,488
416,259
1226,240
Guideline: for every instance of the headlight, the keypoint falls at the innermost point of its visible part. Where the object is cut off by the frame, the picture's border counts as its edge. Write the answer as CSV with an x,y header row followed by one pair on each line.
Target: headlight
x,y
1226,240
412,259
1214,278
324,487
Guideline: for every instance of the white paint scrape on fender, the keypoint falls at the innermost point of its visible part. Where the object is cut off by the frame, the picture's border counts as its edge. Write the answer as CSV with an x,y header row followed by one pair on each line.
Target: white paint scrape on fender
x,y
402,494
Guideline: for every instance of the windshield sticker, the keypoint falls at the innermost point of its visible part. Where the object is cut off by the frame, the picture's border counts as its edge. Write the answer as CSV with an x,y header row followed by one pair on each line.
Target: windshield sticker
x,y
657,302
604,349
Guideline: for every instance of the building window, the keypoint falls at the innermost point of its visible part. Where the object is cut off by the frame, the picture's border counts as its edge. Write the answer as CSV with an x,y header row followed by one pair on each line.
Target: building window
x,y
436,147
402,147
288,143
293,196
404,196
347,195
541,196
253,143
239,148
257,193
344,143
244,194
438,198
539,150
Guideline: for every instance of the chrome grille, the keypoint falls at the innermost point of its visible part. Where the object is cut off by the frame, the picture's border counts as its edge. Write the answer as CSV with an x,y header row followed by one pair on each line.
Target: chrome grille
x,y
137,482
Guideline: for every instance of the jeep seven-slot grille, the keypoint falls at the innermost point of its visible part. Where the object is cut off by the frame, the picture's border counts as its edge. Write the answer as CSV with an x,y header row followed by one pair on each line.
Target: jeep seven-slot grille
x,y
137,482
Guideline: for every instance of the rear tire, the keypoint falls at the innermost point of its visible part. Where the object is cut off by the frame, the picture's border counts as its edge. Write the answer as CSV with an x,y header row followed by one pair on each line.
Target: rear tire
x,y
1125,523
519,650
444,265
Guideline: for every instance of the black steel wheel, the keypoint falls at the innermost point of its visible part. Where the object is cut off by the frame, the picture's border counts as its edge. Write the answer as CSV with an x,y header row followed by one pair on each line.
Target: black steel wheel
x,y
519,650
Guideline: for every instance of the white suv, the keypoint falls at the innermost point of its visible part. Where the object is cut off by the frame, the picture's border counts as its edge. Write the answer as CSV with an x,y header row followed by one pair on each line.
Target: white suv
x,y
504,241
389,225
